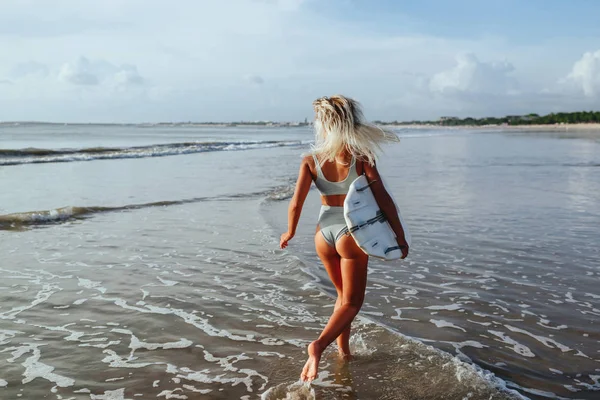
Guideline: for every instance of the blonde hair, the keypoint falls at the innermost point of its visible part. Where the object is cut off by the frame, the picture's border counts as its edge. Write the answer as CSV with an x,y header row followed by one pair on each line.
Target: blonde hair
x,y
340,125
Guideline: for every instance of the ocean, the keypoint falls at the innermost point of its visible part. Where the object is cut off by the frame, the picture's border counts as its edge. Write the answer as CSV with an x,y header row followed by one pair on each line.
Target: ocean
x,y
143,262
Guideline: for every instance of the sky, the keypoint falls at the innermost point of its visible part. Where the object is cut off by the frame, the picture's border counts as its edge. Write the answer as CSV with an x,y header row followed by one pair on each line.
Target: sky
x,y
232,60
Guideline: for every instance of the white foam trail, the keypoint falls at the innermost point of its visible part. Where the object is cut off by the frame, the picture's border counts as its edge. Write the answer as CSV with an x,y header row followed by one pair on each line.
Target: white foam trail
x,y
595,387
40,297
36,369
6,335
118,394
192,319
322,382
88,284
227,363
271,354
135,344
440,323
192,388
479,323
458,346
449,307
551,343
517,347
116,361
286,391
398,316
170,394
166,282
541,393
556,371
114,379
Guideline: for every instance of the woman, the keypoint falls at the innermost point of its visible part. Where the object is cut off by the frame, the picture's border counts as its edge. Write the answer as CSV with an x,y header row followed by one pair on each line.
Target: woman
x,y
344,148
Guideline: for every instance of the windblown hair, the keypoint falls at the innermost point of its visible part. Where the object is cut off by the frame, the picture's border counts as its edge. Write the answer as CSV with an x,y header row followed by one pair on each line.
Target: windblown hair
x,y
340,125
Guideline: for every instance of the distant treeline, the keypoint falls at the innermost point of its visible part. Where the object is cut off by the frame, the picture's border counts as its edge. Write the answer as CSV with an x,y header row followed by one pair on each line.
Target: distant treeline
x,y
580,117
529,119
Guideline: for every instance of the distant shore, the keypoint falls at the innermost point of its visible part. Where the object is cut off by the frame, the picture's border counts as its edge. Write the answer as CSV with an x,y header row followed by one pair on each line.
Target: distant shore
x,y
562,127
538,127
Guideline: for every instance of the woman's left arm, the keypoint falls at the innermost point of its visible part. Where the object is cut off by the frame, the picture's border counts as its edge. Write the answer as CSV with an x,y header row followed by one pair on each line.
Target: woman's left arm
x,y
295,208
386,203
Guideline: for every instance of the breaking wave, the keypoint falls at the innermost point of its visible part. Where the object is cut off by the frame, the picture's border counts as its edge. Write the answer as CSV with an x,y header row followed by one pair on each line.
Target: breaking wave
x,y
29,219
35,155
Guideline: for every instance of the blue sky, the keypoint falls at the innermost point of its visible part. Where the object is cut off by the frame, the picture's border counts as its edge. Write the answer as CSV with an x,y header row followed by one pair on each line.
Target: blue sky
x,y
522,21
217,60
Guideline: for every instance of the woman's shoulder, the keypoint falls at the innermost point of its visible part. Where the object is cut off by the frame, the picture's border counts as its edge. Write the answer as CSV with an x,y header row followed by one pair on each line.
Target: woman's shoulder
x,y
308,159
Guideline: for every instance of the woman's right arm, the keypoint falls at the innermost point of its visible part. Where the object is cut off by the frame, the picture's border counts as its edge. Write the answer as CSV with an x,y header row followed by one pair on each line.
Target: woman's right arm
x,y
386,204
297,202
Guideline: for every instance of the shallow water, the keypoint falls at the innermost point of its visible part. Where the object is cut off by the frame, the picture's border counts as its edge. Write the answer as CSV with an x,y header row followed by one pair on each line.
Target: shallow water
x,y
159,276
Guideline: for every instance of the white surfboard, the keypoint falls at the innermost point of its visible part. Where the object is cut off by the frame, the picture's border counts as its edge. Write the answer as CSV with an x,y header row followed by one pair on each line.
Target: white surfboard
x,y
368,225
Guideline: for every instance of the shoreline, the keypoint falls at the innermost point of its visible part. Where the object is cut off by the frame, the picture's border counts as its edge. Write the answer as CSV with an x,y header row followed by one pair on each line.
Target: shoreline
x,y
9,124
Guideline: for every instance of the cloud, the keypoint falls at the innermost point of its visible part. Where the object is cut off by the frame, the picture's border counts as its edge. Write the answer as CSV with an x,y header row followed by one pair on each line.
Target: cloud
x,y
29,68
284,5
84,72
585,75
475,88
128,75
78,73
255,79
470,75
30,19
5,82
290,5
268,59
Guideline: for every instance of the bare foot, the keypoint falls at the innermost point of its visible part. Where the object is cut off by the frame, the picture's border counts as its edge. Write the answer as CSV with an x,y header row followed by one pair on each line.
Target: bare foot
x,y
311,368
344,353
344,350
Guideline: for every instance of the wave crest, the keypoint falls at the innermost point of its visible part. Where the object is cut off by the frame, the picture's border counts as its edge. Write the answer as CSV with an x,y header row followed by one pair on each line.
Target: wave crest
x,y
23,220
36,156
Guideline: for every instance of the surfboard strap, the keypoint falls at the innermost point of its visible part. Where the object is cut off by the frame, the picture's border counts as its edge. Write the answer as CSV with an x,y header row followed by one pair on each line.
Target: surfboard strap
x,y
380,217
389,249
365,187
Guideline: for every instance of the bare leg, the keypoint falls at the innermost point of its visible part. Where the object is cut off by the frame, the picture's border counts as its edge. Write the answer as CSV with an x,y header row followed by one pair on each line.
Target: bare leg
x,y
331,260
353,267
343,340
354,281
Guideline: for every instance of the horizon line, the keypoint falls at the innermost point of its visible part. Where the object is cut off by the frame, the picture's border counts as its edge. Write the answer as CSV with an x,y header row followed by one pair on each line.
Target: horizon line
x,y
304,122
